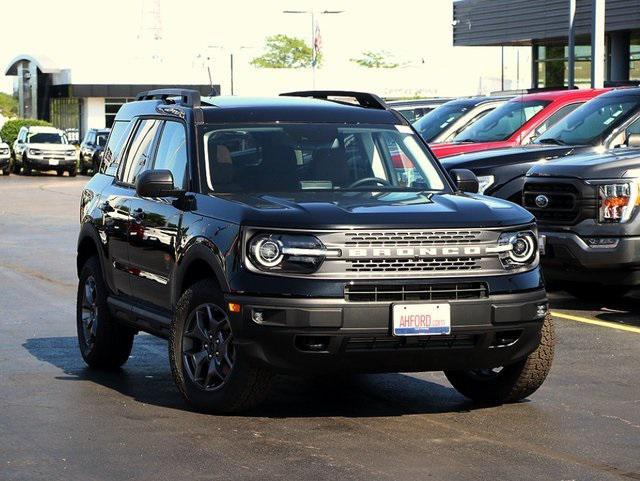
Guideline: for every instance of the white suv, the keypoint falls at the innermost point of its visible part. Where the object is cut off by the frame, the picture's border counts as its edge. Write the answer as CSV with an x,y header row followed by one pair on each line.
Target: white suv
x,y
5,157
43,149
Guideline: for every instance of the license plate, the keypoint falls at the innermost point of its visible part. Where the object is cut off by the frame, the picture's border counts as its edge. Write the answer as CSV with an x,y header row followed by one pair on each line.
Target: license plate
x,y
421,319
54,161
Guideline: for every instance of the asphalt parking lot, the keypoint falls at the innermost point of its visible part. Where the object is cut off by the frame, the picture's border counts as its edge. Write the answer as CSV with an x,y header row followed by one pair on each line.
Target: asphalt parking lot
x,y
59,420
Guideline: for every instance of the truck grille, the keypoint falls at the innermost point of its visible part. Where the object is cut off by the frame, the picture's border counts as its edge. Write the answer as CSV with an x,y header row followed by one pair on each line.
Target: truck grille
x,y
413,265
416,238
569,201
415,292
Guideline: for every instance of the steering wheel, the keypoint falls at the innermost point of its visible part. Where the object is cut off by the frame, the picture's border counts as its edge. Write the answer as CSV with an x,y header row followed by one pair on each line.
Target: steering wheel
x,y
369,180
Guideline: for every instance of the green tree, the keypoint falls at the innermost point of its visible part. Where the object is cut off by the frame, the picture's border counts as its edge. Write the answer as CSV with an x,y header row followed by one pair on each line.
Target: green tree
x,y
372,59
282,51
8,105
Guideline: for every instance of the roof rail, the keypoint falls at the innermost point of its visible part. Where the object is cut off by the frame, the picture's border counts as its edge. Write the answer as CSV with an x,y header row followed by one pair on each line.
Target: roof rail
x,y
364,99
190,98
532,90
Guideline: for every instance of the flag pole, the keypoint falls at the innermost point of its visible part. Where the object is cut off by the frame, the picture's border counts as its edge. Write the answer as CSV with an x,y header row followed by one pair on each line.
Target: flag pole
x,y
313,49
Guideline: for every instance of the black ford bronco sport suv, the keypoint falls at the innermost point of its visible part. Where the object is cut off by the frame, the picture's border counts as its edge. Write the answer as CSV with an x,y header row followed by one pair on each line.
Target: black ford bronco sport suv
x,y
302,234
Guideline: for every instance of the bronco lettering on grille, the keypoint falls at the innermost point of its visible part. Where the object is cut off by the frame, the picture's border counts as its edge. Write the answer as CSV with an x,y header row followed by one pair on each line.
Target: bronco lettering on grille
x,y
404,252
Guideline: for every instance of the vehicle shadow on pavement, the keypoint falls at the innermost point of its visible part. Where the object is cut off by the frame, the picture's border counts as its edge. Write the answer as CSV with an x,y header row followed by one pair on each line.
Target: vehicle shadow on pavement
x,y
146,378
625,310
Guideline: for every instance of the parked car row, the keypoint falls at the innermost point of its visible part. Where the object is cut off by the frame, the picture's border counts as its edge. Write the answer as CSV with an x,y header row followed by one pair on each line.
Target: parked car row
x,y
42,149
572,158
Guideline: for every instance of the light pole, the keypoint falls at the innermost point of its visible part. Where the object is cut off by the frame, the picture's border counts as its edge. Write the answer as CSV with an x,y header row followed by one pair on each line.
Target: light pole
x,y
313,14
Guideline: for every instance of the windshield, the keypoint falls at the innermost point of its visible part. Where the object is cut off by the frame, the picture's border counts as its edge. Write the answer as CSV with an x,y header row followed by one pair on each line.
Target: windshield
x,y
47,138
501,123
101,139
590,123
317,157
435,122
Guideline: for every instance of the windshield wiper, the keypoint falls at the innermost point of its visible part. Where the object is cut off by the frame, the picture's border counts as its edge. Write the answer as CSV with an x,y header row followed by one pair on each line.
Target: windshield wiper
x,y
551,140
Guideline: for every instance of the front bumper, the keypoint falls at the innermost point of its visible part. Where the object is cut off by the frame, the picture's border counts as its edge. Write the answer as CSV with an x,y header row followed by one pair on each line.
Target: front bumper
x,y
324,335
45,164
569,258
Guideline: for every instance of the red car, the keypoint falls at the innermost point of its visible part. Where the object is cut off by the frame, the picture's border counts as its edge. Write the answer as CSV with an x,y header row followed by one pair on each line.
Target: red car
x,y
516,122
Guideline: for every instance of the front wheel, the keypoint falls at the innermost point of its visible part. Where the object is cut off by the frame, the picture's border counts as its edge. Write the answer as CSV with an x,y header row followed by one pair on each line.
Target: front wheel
x,y
73,172
210,371
104,343
6,171
510,383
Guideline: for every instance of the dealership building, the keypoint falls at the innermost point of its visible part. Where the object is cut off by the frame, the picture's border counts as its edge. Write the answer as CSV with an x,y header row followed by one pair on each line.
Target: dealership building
x,y
544,25
89,95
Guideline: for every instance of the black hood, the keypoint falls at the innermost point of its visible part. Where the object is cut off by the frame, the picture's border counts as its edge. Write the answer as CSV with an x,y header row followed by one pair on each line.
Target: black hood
x,y
613,164
489,159
366,209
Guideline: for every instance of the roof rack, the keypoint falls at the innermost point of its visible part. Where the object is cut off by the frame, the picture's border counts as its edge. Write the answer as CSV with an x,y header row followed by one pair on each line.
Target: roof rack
x,y
190,98
364,99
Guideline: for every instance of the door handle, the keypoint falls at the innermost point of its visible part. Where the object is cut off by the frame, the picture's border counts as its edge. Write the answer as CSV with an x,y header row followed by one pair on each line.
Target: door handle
x,y
138,214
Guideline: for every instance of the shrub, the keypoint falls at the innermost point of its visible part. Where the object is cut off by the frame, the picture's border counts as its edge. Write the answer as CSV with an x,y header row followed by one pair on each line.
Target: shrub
x,y
11,128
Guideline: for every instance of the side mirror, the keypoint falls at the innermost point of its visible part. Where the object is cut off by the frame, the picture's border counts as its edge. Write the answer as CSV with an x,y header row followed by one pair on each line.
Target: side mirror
x,y
156,183
465,180
633,140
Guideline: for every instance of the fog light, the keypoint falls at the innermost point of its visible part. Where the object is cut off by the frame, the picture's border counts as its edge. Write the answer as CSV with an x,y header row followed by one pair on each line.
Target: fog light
x,y
257,316
542,310
602,242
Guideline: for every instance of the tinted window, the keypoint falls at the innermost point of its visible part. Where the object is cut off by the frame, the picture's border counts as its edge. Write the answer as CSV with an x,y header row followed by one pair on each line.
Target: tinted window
x,y
438,120
172,152
298,157
592,122
111,156
140,150
47,138
101,139
555,118
501,123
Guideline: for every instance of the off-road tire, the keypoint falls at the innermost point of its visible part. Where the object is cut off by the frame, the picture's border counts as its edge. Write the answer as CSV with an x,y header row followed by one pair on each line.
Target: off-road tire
x,y
516,381
112,342
246,385
73,172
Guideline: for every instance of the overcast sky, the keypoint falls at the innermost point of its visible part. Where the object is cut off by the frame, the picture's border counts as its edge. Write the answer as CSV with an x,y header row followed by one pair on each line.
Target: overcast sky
x,y
84,31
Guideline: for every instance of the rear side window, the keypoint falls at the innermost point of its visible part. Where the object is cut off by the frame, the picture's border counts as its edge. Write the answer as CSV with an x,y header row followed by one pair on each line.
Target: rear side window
x,y
111,156
140,150
172,152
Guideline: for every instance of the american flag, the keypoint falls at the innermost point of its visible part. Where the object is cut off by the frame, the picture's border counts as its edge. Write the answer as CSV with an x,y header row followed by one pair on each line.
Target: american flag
x,y
317,44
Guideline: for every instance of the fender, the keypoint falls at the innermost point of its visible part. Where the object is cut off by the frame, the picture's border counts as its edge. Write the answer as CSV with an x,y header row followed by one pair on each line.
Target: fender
x,y
89,231
198,250
510,188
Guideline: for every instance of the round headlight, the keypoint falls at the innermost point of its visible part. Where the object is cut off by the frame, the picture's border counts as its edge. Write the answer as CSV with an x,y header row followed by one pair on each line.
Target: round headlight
x,y
267,252
523,248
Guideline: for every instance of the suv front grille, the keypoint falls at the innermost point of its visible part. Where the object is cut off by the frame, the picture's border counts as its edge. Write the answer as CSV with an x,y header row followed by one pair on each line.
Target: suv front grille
x,y
414,238
570,201
413,265
415,292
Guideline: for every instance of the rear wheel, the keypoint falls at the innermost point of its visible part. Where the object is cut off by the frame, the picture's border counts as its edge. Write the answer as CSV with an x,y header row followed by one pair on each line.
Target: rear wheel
x,y
103,342
59,173
510,383
210,372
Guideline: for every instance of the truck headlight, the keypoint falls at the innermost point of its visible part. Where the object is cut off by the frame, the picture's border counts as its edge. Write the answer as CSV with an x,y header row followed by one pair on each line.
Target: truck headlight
x,y
484,182
287,253
518,249
617,201
35,152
